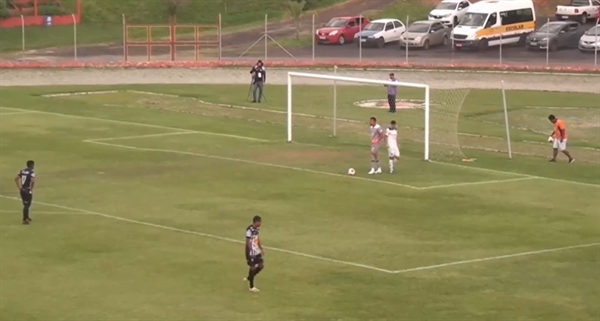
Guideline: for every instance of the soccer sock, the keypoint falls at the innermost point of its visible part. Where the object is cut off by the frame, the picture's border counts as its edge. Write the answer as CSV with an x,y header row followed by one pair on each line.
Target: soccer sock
x,y
391,164
25,212
377,165
251,278
257,271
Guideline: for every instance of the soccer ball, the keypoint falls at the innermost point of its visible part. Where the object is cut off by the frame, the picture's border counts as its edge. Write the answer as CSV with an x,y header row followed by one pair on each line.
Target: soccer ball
x,y
351,171
550,139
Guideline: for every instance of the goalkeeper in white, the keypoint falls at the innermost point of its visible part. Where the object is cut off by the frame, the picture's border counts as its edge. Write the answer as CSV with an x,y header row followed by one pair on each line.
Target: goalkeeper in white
x,y
391,134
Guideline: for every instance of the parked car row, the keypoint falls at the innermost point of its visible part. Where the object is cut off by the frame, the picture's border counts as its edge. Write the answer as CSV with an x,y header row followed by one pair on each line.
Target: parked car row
x,y
473,25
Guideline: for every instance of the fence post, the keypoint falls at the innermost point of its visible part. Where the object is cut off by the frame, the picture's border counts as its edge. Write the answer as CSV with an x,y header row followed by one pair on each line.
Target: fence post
x,y
596,41
360,19
220,28
313,37
500,50
125,58
405,44
74,37
23,36
548,49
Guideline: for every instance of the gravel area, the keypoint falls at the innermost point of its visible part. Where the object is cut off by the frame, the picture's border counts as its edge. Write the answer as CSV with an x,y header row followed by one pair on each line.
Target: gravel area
x,y
436,79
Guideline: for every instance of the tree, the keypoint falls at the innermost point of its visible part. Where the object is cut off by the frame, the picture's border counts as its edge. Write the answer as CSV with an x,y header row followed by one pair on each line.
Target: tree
x,y
173,7
296,9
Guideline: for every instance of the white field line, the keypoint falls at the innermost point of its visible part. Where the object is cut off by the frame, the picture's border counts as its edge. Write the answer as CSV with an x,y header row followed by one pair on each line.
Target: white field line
x,y
517,174
34,212
273,111
498,181
281,166
245,161
101,142
547,144
16,113
82,93
221,238
142,125
493,258
428,267
564,108
136,137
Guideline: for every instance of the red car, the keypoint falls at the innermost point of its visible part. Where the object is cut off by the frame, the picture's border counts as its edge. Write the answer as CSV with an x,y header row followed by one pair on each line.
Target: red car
x,y
340,30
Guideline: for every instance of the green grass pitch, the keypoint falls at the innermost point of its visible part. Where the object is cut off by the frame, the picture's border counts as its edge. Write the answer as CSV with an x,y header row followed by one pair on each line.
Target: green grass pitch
x,y
142,201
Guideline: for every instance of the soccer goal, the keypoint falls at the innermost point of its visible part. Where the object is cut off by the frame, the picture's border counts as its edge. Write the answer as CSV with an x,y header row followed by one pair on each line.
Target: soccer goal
x,y
322,107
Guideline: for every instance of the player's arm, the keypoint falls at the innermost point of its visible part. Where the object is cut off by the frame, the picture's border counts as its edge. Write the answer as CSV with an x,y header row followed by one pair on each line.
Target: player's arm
x,y
381,135
262,250
248,243
18,181
386,135
32,181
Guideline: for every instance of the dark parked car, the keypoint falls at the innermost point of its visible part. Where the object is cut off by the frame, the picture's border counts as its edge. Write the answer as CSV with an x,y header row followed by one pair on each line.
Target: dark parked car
x,y
555,35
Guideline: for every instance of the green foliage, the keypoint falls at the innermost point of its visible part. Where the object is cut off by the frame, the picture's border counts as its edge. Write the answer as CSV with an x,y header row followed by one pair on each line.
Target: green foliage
x,y
404,9
174,6
4,11
296,9
50,10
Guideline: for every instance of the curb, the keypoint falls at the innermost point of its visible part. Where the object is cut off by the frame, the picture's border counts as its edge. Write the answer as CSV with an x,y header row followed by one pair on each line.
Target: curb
x,y
300,64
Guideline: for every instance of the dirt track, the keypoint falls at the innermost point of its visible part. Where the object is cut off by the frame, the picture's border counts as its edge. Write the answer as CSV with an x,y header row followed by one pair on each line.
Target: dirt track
x,y
436,79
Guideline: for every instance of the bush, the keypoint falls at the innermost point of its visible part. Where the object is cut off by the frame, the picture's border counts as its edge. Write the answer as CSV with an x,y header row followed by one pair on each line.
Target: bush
x,y
4,11
50,11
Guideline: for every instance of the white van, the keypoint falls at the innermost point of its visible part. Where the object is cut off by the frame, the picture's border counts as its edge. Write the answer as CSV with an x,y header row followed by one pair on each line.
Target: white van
x,y
494,22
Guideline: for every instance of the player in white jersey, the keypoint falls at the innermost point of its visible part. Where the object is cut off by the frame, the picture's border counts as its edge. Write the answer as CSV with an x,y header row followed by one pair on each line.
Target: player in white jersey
x,y
391,133
377,136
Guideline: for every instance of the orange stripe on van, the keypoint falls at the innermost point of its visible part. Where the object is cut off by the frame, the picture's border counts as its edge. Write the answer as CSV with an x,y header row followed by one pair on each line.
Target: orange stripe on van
x,y
496,31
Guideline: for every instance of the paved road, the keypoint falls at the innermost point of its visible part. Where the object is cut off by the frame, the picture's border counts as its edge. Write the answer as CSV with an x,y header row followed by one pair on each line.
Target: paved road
x,y
511,55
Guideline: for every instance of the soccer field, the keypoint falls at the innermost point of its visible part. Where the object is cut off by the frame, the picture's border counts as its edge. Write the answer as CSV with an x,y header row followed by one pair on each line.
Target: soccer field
x,y
144,192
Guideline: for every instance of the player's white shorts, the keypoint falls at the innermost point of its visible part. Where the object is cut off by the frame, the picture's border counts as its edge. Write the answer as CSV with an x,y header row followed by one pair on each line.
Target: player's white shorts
x,y
374,148
393,151
560,146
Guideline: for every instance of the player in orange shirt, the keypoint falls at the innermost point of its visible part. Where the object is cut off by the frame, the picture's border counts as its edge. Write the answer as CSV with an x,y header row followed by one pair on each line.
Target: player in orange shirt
x,y
560,138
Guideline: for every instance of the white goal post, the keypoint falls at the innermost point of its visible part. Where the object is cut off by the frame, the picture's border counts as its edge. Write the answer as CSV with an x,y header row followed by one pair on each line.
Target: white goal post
x,y
334,78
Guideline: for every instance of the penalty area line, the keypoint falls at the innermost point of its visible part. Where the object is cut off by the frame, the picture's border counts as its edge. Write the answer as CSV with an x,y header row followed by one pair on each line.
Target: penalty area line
x,y
206,235
517,174
46,213
493,258
498,181
238,160
122,122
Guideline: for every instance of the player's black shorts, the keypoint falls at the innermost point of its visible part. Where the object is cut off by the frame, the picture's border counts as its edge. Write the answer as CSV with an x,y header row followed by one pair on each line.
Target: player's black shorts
x,y
26,197
255,260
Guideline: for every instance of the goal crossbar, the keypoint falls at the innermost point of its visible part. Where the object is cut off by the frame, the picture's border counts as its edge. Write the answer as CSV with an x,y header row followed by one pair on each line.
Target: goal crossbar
x,y
335,78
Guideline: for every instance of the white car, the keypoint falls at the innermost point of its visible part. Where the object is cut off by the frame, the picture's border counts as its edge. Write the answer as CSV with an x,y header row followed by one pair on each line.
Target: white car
x,y
590,41
580,10
379,32
450,12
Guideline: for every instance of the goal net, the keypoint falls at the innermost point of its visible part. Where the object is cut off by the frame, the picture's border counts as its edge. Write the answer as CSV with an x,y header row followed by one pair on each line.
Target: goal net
x,y
329,109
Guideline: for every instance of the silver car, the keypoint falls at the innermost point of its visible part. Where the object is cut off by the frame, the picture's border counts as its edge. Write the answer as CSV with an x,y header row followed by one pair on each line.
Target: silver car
x,y
590,41
424,34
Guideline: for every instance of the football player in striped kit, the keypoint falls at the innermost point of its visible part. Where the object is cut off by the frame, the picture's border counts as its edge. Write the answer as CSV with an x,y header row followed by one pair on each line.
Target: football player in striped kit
x,y
254,252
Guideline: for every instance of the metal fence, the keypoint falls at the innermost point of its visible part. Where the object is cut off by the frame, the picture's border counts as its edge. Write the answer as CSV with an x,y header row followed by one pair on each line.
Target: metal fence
x,y
273,40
